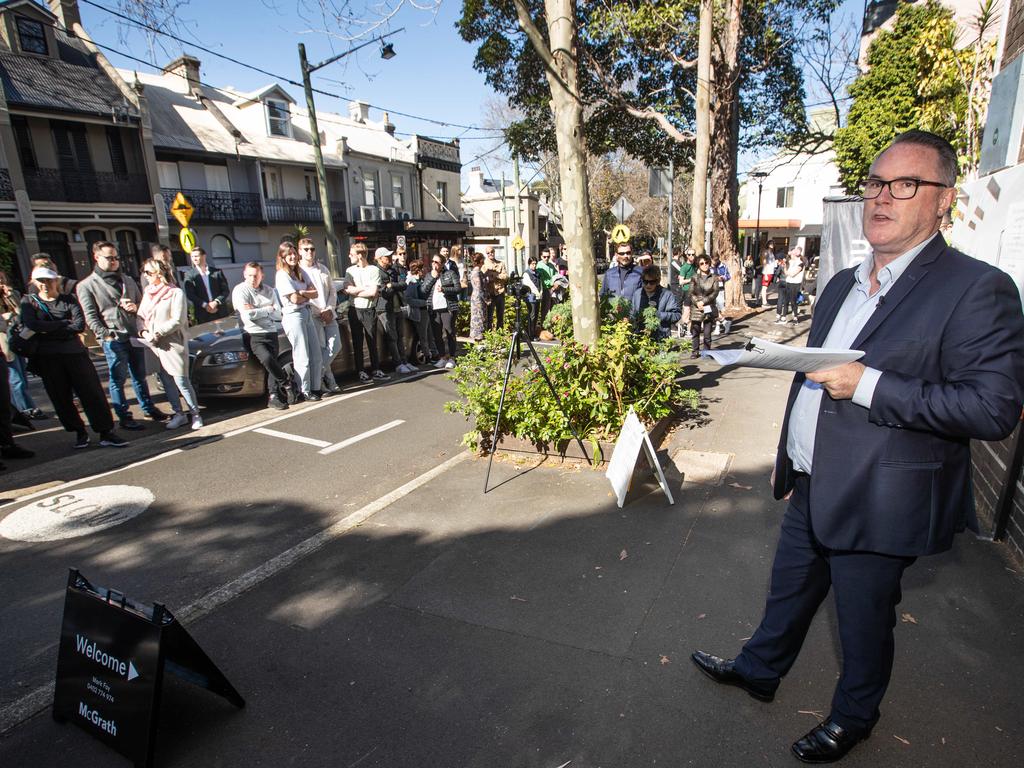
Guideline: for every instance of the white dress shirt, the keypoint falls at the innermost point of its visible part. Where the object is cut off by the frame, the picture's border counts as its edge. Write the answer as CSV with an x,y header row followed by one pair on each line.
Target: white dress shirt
x,y
853,315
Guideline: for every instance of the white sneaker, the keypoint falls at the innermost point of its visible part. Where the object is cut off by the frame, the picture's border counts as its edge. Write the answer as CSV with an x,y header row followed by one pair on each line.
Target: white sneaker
x,y
197,421
405,368
364,377
176,421
450,364
440,363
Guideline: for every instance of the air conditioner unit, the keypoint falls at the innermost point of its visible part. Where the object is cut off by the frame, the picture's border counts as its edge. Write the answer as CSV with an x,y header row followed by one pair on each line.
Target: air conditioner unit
x,y
387,214
404,215
367,213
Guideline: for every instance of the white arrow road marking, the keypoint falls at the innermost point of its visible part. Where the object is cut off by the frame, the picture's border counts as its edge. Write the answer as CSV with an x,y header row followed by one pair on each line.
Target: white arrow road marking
x,y
363,436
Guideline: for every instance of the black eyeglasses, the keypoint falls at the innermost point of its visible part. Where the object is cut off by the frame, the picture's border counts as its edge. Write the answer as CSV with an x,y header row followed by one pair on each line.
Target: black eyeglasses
x,y
307,248
624,253
902,188
651,282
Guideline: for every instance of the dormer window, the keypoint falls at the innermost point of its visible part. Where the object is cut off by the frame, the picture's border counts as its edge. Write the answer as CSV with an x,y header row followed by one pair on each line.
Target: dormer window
x,y
279,118
31,36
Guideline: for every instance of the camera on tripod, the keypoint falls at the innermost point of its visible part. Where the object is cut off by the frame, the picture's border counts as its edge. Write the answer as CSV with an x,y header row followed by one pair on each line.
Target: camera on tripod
x,y
515,286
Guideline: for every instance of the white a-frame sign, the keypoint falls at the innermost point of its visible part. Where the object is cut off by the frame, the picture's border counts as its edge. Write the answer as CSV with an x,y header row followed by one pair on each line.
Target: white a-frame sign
x,y
627,451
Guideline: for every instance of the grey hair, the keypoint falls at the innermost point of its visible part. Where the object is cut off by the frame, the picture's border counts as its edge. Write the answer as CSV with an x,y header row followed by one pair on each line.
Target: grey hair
x,y
948,165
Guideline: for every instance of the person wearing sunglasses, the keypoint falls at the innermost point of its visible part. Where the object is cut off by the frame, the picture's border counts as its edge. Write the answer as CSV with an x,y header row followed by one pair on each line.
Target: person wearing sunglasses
x,y
875,455
110,302
325,320
623,279
652,294
163,325
703,307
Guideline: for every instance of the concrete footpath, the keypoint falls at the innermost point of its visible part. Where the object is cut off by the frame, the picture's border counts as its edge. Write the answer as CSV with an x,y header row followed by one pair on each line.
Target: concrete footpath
x,y
540,625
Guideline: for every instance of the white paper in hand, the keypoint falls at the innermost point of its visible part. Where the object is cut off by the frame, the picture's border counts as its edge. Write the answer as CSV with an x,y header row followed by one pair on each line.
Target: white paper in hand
x,y
758,353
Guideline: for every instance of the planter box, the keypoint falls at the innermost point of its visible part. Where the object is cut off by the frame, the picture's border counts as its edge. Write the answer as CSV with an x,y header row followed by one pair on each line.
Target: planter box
x,y
570,450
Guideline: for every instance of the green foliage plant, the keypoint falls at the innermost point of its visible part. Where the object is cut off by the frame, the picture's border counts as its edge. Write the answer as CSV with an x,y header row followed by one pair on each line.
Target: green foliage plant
x,y
594,386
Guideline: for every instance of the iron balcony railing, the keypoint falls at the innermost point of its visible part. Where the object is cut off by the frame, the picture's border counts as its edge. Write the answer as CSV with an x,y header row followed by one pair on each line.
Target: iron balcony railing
x,y
292,211
6,189
226,207
55,185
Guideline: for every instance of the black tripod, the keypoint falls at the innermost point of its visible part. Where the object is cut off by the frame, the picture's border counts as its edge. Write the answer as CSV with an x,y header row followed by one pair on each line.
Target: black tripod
x,y
513,356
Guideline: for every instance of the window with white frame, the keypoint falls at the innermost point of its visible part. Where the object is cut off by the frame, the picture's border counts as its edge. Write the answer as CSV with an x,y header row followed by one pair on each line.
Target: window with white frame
x,y
312,191
442,196
397,192
279,118
496,218
784,197
369,188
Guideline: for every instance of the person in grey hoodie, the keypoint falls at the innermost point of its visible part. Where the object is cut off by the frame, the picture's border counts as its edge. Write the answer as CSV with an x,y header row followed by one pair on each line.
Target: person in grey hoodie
x,y
110,302
259,316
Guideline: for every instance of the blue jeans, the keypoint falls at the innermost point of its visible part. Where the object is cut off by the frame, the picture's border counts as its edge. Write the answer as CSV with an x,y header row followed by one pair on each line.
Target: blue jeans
x,y
124,360
19,385
179,385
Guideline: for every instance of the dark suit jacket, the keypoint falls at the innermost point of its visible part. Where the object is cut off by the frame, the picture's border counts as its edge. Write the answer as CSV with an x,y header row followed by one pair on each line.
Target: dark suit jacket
x,y
195,292
896,479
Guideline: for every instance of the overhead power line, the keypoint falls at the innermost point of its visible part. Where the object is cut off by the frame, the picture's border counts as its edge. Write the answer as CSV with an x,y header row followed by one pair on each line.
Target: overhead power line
x,y
197,46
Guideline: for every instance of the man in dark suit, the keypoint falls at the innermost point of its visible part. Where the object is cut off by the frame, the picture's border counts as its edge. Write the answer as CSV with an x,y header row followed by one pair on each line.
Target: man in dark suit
x,y
206,289
874,455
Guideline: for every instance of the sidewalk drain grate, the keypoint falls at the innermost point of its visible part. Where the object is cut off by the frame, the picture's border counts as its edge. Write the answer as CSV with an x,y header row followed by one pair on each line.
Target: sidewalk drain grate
x,y
702,467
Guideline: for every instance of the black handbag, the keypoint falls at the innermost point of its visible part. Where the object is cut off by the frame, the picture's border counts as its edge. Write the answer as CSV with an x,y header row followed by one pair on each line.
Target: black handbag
x,y
22,339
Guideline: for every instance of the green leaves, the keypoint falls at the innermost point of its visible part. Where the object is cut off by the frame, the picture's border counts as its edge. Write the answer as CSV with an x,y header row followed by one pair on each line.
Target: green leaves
x,y
594,387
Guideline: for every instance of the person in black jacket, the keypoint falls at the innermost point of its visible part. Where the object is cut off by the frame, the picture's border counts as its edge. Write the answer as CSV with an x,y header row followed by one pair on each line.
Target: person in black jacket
x,y
62,361
206,289
441,290
652,294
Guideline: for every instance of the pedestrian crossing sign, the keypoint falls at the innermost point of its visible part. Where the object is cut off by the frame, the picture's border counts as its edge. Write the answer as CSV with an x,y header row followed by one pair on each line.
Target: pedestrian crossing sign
x,y
518,243
182,209
187,238
620,234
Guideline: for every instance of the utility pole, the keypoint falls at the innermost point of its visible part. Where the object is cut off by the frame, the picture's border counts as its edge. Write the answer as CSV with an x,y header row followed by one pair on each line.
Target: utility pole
x,y
703,149
671,187
387,52
515,213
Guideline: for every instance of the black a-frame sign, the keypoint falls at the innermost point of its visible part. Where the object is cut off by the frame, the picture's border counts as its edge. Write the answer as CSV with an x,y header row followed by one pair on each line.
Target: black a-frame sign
x,y
113,653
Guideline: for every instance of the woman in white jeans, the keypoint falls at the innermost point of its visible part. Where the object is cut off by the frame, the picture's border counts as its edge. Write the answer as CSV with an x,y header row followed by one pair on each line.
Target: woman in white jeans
x,y
296,292
163,324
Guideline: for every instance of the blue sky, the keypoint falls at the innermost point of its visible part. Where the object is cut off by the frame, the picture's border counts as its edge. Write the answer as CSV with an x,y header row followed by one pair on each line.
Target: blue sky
x,y
432,76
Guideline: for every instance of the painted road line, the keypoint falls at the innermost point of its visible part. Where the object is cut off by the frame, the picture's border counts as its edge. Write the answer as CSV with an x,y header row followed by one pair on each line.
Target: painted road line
x,y
79,481
42,697
346,443
290,436
328,402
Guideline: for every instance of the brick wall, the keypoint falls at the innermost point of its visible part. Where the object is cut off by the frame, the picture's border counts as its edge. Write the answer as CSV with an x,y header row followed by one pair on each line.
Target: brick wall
x,y
991,463
1014,43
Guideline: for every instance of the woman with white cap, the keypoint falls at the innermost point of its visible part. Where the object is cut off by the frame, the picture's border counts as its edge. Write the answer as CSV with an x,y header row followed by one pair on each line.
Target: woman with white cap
x,y
62,362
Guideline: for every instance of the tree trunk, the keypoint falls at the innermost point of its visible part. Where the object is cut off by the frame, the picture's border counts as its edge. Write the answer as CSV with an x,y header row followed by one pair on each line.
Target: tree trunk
x,y
724,147
560,57
698,209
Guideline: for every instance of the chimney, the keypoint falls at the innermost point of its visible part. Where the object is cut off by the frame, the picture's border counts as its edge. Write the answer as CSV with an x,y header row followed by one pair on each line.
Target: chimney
x,y
187,68
66,12
358,111
341,146
476,178
388,125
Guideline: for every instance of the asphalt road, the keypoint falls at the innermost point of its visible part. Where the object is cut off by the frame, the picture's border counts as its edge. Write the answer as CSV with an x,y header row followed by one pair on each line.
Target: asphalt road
x,y
226,502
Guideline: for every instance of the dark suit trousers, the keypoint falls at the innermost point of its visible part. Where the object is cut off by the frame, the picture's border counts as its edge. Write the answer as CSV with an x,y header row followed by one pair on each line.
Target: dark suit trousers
x,y
64,377
867,591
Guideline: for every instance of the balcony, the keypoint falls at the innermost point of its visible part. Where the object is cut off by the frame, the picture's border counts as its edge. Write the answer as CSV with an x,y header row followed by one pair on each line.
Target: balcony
x,y
59,186
219,207
6,190
289,211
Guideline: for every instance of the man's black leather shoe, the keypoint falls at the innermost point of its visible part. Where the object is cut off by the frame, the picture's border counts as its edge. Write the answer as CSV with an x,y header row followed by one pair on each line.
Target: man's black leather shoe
x,y
722,671
826,743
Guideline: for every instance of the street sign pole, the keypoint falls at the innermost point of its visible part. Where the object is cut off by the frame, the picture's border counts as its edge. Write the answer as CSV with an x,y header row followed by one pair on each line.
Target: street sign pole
x,y
671,185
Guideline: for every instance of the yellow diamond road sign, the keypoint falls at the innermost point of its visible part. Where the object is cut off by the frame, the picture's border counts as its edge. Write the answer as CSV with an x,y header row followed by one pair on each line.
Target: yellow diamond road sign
x,y
187,238
518,243
182,209
620,234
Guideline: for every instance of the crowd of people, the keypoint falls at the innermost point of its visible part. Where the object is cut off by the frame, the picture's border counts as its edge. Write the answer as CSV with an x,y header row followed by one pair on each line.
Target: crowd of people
x,y
144,328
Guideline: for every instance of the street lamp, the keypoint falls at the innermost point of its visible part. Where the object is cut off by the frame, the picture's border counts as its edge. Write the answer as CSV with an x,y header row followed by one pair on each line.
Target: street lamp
x,y
387,51
760,176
